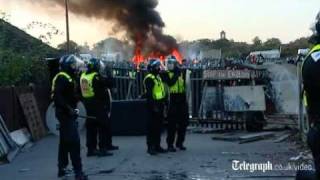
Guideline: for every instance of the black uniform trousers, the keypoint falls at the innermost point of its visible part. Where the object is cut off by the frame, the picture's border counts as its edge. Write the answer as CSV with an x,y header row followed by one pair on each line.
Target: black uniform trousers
x,y
311,78
154,125
69,145
177,123
313,139
99,128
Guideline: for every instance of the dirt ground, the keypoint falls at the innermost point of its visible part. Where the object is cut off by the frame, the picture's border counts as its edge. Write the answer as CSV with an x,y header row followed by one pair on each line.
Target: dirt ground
x,y
205,159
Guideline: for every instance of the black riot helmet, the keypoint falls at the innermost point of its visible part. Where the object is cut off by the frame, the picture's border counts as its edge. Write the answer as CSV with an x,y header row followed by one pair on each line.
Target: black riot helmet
x,y
154,66
172,63
317,26
315,38
69,64
93,65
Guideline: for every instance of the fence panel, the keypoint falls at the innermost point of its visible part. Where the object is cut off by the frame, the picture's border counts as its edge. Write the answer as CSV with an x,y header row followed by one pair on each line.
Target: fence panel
x,y
10,107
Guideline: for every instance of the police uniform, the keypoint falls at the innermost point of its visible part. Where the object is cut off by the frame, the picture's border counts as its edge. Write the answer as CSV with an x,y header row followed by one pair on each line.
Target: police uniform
x,y
311,81
155,94
65,101
97,101
178,109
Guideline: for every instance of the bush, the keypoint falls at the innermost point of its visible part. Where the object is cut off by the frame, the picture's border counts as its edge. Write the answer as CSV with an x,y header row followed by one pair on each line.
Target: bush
x,y
20,70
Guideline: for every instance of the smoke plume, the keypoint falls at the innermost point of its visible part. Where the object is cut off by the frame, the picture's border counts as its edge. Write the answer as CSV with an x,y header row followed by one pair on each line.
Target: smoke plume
x,y
137,18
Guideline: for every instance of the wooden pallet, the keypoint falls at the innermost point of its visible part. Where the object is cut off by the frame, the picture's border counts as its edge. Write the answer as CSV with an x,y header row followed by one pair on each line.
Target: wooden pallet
x,y
32,115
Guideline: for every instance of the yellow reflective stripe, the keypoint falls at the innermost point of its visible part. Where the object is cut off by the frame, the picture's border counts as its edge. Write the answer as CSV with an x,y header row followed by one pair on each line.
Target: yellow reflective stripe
x,y
56,77
86,80
132,74
315,48
144,81
158,91
305,101
179,86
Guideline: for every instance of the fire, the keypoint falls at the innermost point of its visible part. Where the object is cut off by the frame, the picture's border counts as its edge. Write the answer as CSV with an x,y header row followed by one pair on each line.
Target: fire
x,y
141,56
178,55
138,57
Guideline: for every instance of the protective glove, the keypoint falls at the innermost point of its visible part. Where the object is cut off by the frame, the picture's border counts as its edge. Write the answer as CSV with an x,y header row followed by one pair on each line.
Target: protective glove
x,y
74,113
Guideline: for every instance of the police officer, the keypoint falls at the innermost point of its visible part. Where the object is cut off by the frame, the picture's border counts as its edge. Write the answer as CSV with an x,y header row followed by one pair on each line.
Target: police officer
x,y
178,106
97,100
65,101
311,81
155,94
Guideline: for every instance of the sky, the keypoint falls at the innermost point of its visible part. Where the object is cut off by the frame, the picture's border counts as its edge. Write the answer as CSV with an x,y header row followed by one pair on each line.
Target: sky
x,y
185,19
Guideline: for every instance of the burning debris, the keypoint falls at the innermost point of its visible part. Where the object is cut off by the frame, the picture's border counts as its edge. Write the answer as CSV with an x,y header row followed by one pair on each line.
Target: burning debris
x,y
138,18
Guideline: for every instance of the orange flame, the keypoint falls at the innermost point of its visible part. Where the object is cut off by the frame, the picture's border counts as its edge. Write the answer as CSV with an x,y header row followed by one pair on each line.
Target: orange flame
x,y
178,55
138,57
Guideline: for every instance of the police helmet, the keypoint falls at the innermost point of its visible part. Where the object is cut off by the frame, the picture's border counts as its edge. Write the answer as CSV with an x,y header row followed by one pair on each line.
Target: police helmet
x,y
171,63
69,63
93,64
154,65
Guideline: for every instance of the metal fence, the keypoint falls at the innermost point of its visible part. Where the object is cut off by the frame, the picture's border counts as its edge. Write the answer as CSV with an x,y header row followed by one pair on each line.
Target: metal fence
x,y
129,85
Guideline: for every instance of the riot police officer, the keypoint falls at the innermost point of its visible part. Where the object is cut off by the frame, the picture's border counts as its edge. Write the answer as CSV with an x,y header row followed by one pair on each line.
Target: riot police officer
x,y
97,100
65,100
311,82
178,106
155,94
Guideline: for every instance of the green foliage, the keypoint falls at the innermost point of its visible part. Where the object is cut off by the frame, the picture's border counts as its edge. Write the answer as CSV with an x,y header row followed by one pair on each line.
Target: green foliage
x,y
113,45
257,41
22,57
272,43
232,49
74,47
291,49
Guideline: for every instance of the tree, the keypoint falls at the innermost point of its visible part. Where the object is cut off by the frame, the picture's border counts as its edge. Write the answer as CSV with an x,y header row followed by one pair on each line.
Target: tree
x,y
272,43
257,44
291,49
17,69
85,48
232,49
113,45
47,31
74,47
257,41
22,57
4,16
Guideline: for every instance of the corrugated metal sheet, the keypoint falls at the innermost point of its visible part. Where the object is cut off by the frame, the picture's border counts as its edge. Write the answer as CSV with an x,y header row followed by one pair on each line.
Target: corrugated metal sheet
x,y
7,146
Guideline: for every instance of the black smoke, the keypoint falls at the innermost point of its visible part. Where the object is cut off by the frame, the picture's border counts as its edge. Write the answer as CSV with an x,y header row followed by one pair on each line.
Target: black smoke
x,y
137,18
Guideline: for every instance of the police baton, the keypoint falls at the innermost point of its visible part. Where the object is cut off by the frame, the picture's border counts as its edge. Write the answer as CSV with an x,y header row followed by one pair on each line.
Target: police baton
x,y
79,116
77,111
87,117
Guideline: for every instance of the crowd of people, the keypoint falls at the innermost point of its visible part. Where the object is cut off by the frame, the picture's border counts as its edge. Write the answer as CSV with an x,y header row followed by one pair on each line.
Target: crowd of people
x,y
164,91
